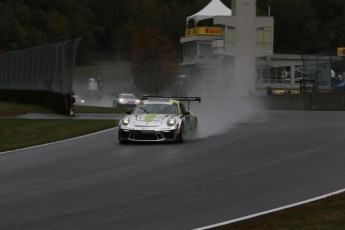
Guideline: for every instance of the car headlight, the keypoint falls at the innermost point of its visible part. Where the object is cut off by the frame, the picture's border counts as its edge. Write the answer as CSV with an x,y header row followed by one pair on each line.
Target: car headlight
x,y
121,100
126,121
137,101
171,121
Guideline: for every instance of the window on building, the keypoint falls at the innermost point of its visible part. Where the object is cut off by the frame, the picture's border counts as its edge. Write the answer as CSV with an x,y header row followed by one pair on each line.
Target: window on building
x,y
264,37
189,51
278,75
230,36
205,51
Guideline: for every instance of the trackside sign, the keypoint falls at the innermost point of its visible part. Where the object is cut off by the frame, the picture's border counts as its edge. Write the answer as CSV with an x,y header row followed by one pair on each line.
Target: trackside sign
x,y
341,51
204,31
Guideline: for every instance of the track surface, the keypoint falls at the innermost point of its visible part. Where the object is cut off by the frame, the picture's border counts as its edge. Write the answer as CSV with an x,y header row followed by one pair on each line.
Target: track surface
x,y
95,183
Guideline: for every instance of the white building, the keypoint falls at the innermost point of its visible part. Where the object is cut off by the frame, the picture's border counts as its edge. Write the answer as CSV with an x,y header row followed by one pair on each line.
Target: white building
x,y
234,49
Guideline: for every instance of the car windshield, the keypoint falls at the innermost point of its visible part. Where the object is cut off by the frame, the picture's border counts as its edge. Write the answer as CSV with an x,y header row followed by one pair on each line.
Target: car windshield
x,y
156,108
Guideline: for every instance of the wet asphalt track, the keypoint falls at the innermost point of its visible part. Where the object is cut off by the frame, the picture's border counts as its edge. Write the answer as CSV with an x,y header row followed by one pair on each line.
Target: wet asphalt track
x,y
95,183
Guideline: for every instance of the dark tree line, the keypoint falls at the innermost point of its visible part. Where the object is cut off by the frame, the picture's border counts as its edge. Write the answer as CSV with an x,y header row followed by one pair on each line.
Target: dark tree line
x,y
110,26
308,26
154,61
104,25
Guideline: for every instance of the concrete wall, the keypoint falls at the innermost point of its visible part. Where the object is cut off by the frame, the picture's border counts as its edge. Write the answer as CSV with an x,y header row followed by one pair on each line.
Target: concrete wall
x,y
245,47
309,101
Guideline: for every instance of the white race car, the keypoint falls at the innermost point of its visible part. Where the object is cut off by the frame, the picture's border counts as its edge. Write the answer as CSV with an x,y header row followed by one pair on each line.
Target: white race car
x,y
126,100
159,119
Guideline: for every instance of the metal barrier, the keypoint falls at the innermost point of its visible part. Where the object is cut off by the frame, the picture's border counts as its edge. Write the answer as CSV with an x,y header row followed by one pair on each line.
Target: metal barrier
x,y
44,71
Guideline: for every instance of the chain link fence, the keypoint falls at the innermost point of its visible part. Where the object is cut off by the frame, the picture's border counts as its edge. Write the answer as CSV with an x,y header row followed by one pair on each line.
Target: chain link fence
x,y
318,69
40,75
288,72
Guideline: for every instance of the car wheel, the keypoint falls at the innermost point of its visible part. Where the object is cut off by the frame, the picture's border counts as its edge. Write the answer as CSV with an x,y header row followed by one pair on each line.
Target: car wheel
x,y
120,140
181,134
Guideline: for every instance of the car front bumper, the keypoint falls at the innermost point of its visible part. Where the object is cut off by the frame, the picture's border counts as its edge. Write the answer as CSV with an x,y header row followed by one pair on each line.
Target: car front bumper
x,y
147,135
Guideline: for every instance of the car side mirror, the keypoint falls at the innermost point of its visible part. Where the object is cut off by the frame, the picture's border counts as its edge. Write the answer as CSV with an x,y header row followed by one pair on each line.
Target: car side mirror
x,y
186,113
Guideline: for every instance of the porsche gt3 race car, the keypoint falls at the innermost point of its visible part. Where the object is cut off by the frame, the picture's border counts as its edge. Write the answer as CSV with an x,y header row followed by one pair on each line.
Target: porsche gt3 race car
x,y
159,119
126,100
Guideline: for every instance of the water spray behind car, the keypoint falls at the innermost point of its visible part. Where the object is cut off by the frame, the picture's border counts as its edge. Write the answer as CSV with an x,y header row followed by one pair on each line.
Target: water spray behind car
x,y
227,102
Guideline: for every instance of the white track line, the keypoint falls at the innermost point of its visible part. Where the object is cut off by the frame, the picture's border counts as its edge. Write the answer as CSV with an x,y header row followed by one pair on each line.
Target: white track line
x,y
272,210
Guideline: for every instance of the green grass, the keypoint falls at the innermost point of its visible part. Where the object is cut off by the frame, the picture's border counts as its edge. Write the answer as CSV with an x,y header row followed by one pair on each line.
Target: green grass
x,y
326,214
19,133
15,108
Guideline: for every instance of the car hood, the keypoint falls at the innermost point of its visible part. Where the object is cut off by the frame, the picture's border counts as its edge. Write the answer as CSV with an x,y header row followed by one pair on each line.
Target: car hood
x,y
150,117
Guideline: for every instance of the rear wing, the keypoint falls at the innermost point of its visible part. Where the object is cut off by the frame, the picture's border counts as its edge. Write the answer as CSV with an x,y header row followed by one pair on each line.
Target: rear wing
x,y
188,99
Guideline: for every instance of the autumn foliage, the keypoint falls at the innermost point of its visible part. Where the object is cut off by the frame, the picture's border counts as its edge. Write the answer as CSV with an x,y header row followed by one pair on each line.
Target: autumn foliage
x,y
154,61
110,26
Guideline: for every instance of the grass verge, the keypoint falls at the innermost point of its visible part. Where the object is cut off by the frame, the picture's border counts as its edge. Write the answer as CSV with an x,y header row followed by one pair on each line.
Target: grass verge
x,y
326,214
20,133
10,108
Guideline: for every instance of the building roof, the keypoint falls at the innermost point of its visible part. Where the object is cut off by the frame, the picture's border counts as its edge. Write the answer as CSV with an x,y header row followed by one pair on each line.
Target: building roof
x,y
214,8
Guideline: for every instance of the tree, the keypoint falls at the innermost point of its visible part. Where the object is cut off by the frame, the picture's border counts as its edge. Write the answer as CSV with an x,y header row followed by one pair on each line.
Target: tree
x,y
122,38
296,26
109,26
154,62
332,22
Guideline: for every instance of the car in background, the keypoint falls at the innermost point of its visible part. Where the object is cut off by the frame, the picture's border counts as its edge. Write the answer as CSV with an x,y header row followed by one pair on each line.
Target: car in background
x,y
159,119
126,100
78,100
